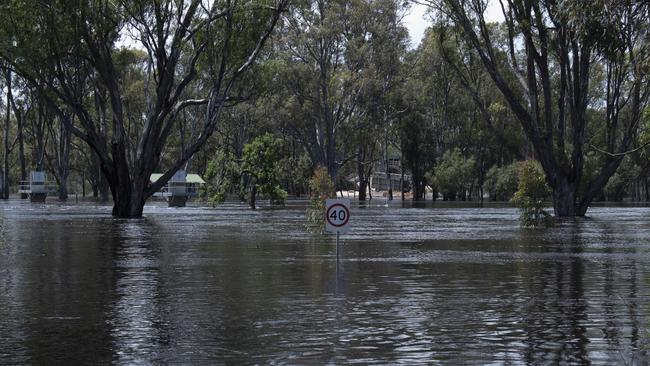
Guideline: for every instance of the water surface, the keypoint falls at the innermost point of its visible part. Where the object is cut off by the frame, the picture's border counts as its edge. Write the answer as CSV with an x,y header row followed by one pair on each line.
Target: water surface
x,y
444,285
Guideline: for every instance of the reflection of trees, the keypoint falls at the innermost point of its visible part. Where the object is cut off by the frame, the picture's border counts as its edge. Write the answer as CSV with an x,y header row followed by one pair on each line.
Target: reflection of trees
x,y
55,292
135,313
2,231
588,308
622,316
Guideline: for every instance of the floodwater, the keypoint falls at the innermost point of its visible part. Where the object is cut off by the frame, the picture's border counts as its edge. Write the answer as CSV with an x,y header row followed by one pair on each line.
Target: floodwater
x,y
443,285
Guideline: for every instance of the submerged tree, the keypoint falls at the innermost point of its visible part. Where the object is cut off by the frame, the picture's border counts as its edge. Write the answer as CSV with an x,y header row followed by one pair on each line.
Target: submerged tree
x,y
566,69
68,50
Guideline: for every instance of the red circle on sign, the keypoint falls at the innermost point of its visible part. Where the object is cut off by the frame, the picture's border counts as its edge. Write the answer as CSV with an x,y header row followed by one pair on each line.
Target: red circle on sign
x,y
347,215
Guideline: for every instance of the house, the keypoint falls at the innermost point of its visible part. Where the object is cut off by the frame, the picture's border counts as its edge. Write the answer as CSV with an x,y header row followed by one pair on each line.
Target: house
x,y
37,187
180,187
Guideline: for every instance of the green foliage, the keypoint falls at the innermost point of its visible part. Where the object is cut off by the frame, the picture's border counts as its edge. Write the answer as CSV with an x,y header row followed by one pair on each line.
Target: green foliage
x,y
454,174
262,160
644,128
222,177
296,172
532,193
620,184
339,81
321,188
502,182
263,165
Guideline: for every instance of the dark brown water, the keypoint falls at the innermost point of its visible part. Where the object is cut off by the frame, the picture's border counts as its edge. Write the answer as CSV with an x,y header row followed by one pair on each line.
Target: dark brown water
x,y
230,286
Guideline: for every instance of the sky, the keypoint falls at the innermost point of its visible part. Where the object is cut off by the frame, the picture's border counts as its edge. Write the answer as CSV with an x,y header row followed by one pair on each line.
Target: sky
x,y
417,21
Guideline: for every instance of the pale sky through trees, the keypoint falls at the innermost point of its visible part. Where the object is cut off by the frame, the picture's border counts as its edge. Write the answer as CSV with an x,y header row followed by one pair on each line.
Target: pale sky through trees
x,y
417,20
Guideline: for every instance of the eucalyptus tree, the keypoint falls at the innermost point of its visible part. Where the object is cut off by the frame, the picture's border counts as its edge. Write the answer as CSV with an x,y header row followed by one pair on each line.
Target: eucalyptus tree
x,y
68,48
377,48
58,156
321,89
468,104
416,132
545,67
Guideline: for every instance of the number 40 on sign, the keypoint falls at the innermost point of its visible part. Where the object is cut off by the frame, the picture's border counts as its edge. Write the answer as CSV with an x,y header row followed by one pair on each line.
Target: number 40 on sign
x,y
337,215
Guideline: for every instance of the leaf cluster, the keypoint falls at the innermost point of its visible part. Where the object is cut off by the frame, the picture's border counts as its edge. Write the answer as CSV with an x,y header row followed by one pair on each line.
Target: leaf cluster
x,y
322,188
531,195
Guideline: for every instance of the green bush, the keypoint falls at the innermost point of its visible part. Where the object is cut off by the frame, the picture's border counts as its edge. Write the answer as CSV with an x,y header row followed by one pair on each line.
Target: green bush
x,y
502,182
262,160
453,175
321,188
259,171
532,193
621,183
222,177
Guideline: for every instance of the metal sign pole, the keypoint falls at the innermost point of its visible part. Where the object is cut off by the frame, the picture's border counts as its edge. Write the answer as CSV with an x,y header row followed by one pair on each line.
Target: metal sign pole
x,y
337,246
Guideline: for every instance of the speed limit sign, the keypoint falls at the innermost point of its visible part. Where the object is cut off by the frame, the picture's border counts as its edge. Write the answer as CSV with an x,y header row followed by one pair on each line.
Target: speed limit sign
x,y
337,215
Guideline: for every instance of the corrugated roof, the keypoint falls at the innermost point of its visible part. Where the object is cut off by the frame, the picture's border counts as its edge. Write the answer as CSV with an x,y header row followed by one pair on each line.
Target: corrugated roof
x,y
190,178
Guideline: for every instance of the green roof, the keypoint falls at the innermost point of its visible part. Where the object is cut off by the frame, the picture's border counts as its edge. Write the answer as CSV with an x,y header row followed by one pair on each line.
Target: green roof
x,y
190,178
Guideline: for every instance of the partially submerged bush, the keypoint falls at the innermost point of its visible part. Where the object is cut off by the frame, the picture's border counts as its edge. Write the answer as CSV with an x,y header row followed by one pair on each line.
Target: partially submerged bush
x,y
532,193
453,175
321,188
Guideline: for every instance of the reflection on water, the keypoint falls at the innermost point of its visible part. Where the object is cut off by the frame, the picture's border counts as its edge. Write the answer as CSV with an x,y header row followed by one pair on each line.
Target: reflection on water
x,y
414,285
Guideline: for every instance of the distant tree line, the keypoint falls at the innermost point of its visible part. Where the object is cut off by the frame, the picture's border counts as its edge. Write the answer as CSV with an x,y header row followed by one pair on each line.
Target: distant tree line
x,y
254,96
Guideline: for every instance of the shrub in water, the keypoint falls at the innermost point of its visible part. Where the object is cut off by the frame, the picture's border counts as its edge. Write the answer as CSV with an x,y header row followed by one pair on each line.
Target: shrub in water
x,y
321,188
531,195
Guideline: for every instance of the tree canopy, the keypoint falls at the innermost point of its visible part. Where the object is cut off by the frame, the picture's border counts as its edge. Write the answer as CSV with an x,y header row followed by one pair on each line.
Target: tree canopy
x,y
259,94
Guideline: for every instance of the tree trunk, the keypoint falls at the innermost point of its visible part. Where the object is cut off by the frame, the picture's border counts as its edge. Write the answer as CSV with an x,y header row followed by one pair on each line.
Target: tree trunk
x,y
40,136
127,202
130,191
389,186
401,184
7,149
64,161
251,201
21,149
564,199
363,181
104,189
100,186
418,185
20,115
362,189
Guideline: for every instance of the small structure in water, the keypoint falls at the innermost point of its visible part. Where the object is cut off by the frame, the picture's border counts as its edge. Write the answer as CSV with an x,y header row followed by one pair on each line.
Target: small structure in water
x,y
37,187
180,187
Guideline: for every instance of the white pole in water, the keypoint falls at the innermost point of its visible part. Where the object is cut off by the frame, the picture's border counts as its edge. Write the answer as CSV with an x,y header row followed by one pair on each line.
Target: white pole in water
x,y
337,247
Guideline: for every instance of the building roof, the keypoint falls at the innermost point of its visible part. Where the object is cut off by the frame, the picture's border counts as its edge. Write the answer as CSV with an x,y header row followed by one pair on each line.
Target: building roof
x,y
190,178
